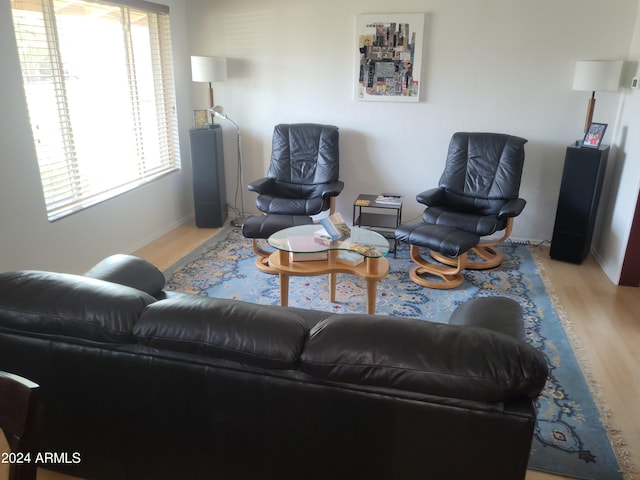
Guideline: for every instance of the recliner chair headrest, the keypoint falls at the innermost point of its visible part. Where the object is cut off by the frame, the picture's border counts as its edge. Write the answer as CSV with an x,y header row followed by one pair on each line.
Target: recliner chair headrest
x,y
487,165
305,153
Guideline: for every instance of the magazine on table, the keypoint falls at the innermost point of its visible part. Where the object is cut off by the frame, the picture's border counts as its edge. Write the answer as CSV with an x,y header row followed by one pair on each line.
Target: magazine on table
x,y
389,198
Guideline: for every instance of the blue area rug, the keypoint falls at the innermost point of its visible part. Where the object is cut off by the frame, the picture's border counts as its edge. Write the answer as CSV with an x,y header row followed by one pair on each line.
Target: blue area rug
x,y
570,438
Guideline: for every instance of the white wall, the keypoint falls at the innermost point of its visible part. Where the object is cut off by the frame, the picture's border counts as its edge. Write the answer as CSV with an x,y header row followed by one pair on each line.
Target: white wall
x,y
623,180
492,65
74,243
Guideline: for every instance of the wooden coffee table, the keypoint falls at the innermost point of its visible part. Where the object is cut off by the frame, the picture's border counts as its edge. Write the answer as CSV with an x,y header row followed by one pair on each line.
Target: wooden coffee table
x,y
371,245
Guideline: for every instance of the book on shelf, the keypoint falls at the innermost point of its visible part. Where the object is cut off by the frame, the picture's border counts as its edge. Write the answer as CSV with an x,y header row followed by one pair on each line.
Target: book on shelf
x,y
304,244
389,198
364,249
349,258
306,248
307,257
336,227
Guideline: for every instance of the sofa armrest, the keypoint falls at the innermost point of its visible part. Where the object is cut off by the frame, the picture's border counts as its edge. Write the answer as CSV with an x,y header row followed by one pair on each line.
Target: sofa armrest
x,y
131,271
500,314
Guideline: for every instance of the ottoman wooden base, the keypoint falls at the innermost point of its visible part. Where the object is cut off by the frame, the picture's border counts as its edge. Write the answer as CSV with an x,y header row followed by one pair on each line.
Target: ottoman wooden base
x,y
450,277
446,242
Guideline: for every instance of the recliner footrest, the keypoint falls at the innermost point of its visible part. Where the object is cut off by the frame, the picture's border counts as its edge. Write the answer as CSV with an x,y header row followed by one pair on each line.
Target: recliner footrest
x,y
263,226
446,240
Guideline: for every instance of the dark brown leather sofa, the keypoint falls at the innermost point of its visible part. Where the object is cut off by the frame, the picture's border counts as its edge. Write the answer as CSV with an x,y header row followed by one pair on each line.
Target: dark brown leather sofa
x,y
140,385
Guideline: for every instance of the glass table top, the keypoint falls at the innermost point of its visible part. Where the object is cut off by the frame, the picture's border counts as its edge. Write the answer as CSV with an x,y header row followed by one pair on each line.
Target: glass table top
x,y
308,239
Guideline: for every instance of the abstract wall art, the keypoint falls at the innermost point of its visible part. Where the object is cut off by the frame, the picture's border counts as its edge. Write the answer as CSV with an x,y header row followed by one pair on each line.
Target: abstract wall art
x,y
389,53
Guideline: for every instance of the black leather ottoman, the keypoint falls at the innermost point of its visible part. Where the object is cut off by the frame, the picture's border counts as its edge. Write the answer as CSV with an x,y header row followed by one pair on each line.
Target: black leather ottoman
x,y
261,227
447,241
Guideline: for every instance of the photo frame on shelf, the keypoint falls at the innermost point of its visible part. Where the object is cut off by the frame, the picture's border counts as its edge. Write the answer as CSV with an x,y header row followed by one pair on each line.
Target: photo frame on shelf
x,y
200,119
594,134
389,57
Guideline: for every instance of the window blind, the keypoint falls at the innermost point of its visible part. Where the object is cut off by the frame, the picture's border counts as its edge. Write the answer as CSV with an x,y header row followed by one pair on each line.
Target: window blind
x,y
98,80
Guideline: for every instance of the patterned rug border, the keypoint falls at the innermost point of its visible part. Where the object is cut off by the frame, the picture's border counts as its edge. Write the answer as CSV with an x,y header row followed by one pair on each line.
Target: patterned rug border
x,y
623,455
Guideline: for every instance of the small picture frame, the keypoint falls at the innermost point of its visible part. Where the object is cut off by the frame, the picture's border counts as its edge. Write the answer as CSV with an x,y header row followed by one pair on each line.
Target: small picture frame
x,y
593,136
200,119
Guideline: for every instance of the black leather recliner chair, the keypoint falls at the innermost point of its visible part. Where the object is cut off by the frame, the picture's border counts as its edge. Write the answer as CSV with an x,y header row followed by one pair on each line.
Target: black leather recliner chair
x,y
477,196
301,182
478,191
302,178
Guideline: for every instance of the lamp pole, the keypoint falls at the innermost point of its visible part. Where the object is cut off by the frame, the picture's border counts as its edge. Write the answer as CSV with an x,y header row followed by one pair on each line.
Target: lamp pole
x,y
239,221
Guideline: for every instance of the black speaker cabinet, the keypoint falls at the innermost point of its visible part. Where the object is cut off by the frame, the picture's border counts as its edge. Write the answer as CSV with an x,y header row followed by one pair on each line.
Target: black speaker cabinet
x,y
582,179
207,163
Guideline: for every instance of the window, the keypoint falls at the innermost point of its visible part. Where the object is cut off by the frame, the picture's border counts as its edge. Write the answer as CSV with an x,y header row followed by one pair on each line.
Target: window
x,y
99,86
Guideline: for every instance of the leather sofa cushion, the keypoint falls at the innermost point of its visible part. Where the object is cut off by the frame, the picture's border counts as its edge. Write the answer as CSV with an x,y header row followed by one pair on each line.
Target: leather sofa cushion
x,y
49,303
255,335
435,359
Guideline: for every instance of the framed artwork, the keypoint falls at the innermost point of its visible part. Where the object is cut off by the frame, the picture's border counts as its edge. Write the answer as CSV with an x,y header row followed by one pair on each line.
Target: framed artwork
x,y
593,136
200,119
389,57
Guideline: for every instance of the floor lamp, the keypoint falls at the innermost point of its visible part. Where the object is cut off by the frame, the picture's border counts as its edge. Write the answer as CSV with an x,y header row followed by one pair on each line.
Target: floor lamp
x,y
596,75
209,69
239,221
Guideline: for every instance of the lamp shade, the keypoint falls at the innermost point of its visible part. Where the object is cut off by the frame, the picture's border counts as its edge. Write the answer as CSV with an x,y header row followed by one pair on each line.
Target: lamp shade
x,y
597,75
208,69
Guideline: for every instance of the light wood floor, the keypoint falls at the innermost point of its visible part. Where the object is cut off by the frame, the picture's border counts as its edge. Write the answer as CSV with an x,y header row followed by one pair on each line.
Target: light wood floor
x,y
605,319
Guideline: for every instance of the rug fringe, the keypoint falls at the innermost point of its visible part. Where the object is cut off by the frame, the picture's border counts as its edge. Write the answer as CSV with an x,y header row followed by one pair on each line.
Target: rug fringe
x,y
622,454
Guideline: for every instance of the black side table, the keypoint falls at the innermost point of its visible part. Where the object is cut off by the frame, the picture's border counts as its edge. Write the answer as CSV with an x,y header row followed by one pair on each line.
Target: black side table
x,y
384,219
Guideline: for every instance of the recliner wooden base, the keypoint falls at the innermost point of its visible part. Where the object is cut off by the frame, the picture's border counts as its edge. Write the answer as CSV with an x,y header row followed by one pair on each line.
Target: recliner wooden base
x,y
491,258
450,277
262,259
